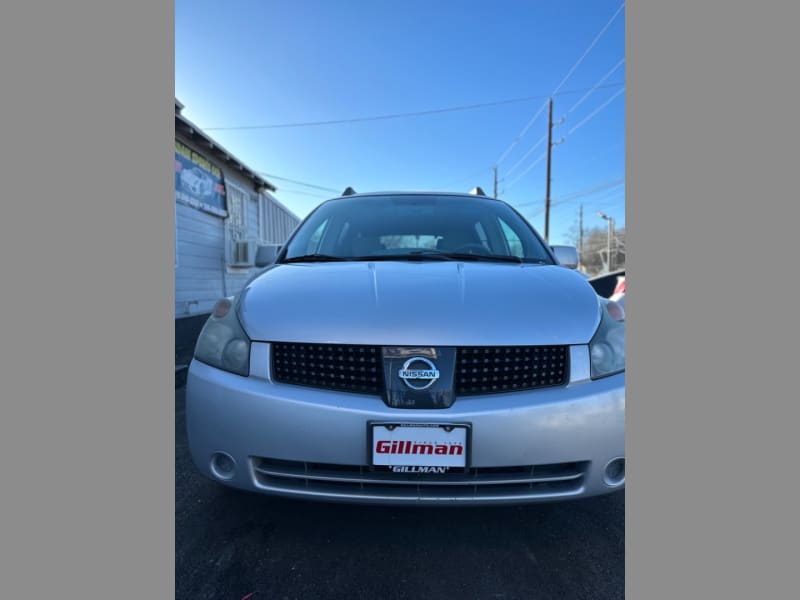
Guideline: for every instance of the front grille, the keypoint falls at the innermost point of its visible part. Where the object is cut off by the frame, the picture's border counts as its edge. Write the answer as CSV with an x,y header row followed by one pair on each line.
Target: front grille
x,y
479,370
330,366
495,369
484,483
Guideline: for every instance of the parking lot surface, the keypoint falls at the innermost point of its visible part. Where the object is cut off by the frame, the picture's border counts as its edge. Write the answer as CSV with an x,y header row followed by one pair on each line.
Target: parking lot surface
x,y
241,546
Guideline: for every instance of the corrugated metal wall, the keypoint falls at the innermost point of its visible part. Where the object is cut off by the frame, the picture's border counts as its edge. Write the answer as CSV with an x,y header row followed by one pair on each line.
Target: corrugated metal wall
x,y
200,245
278,222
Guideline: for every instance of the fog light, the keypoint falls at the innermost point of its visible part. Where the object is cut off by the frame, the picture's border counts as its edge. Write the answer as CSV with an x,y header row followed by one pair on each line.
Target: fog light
x,y
222,465
614,474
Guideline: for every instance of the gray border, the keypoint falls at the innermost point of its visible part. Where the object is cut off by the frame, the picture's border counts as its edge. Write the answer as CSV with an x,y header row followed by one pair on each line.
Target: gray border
x,y
712,328
87,422
86,240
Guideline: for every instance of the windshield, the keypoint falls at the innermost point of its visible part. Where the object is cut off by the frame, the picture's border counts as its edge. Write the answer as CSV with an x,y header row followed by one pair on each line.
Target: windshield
x,y
416,227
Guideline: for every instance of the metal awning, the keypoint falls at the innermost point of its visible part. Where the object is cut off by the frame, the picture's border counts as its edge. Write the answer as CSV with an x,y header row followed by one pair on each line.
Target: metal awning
x,y
202,139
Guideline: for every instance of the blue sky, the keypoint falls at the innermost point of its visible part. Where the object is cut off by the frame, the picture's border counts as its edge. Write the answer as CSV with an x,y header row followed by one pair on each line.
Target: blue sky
x,y
252,63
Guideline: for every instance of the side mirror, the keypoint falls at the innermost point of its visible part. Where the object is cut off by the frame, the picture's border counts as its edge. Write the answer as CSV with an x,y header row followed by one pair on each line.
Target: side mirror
x,y
567,256
266,255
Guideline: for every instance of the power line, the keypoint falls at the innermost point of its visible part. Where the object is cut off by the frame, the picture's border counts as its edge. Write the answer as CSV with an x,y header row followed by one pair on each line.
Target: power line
x,y
593,190
311,185
571,131
594,87
527,154
516,140
578,126
609,188
521,175
586,53
601,187
378,117
608,199
302,193
398,115
585,96
539,211
589,49
595,112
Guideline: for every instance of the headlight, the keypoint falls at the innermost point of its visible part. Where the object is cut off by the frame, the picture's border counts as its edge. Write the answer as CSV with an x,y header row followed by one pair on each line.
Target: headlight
x,y
222,342
607,348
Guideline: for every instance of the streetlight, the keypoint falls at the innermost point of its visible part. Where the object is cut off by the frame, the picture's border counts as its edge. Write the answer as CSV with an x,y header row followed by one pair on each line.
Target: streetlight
x,y
610,220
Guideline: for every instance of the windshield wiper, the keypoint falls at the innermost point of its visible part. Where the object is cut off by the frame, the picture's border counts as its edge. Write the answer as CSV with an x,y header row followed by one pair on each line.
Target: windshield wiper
x,y
425,254
416,255
316,258
486,257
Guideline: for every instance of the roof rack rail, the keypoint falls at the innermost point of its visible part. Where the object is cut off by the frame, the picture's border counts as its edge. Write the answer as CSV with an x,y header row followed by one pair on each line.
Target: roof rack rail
x,y
477,191
348,192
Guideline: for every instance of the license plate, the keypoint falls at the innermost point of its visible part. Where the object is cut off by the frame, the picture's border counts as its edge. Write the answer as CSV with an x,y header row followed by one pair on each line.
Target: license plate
x,y
420,445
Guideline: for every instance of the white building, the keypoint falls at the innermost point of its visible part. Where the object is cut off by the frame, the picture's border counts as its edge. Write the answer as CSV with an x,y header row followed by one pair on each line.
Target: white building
x,y
223,211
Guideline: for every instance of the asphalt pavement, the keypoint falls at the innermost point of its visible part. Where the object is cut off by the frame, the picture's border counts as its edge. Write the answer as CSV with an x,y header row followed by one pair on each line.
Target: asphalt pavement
x,y
233,545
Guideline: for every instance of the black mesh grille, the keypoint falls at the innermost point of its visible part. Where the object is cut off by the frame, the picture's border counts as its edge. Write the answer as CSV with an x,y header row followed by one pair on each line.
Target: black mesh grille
x,y
330,366
487,370
479,370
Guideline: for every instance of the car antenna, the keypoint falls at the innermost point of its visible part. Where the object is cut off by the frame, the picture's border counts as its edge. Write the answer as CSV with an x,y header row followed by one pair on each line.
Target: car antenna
x,y
348,192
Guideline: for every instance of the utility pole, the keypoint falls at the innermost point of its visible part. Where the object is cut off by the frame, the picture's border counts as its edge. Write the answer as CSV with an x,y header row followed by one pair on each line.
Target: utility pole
x,y
547,192
495,181
550,145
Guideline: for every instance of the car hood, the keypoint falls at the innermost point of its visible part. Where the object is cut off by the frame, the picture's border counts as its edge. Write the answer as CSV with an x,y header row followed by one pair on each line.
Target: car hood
x,y
420,304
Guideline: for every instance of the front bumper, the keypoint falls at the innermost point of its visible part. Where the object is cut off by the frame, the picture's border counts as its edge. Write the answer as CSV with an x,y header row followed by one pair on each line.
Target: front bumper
x,y
543,445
